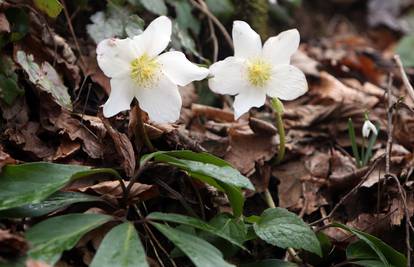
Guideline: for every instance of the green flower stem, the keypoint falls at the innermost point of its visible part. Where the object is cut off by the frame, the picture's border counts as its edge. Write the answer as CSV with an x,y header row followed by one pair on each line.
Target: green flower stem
x,y
268,198
278,107
352,138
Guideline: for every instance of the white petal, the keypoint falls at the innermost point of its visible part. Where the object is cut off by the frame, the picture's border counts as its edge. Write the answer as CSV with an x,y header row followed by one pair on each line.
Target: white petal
x,y
287,82
250,97
367,128
179,69
155,38
280,48
228,76
162,101
114,56
247,43
122,92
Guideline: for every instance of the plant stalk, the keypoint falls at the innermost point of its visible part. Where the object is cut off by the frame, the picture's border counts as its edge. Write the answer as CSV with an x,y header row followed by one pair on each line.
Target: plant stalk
x,y
278,107
140,128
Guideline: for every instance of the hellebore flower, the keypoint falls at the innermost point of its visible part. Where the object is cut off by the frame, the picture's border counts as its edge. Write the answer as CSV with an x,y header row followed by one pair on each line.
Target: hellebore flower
x,y
255,71
137,69
367,128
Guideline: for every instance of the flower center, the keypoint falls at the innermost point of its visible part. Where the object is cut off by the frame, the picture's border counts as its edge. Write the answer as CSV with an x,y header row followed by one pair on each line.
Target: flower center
x,y
144,70
259,72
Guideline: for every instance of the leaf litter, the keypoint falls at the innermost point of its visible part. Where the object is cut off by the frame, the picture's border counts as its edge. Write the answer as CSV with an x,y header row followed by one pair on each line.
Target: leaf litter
x,y
57,120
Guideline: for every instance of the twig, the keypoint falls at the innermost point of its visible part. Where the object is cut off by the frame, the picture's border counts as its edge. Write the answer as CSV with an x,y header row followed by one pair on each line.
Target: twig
x,y
390,112
388,174
353,190
205,10
404,77
72,32
212,33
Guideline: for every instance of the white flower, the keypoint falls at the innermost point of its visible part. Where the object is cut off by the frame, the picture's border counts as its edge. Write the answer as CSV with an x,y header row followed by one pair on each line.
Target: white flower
x,y
367,128
137,69
255,71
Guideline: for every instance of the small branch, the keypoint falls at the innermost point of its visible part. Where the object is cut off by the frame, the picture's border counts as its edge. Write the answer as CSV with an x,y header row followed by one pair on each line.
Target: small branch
x,y
390,112
72,32
353,190
206,11
404,77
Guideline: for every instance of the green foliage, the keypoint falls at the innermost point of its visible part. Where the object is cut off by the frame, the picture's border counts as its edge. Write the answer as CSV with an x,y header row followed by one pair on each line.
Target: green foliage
x,y
384,253
51,237
198,224
285,229
32,182
19,25
55,202
185,18
405,50
209,169
51,7
121,247
200,252
9,88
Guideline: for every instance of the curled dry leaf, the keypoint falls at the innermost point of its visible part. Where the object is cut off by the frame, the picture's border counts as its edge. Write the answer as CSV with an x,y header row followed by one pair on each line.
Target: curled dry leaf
x,y
123,146
76,130
4,24
5,158
111,191
333,89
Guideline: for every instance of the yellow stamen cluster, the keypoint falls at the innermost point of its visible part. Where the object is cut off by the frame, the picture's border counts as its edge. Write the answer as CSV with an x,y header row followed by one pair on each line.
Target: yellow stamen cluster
x,y
144,70
259,72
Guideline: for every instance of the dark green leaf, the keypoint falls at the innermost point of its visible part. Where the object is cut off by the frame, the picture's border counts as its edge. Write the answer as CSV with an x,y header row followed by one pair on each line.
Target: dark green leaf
x,y
236,198
19,23
209,169
9,89
200,252
185,17
51,7
196,223
368,263
55,202
352,138
386,254
207,165
270,263
285,229
51,237
121,247
33,182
